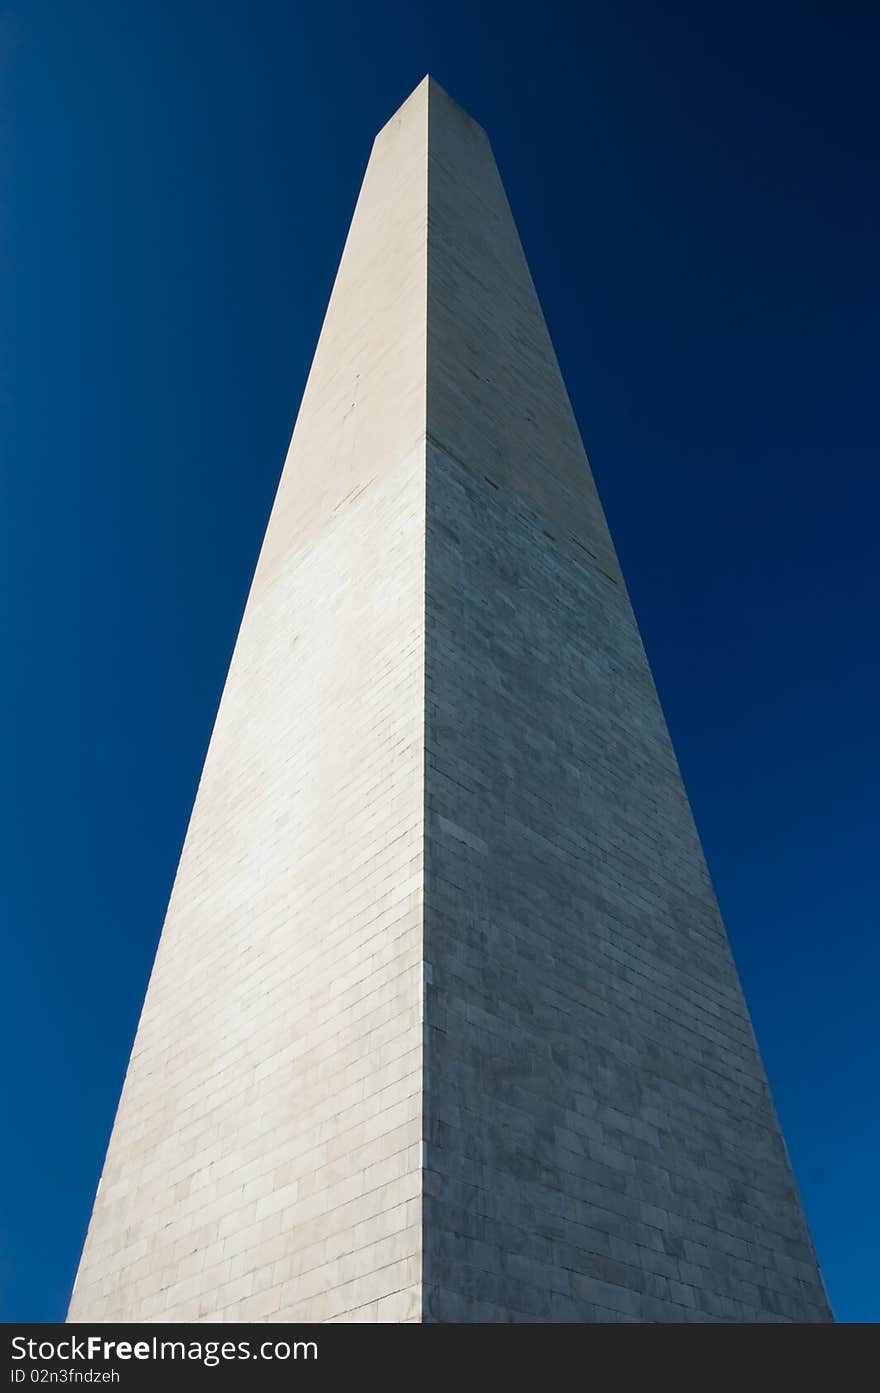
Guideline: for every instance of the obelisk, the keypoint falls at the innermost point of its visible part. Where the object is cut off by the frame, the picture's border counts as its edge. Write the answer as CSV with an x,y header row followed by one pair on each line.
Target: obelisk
x,y
443,1024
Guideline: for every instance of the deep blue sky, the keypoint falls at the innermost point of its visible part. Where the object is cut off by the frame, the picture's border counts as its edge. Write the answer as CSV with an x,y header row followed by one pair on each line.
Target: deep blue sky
x,y
696,187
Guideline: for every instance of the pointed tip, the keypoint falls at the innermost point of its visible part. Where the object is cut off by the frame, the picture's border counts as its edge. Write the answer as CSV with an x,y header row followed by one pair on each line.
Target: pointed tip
x,y
427,88
430,91
429,83
430,103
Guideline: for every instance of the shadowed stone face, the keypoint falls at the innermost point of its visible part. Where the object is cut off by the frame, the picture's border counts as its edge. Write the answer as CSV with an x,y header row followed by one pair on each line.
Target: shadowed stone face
x,y
443,1023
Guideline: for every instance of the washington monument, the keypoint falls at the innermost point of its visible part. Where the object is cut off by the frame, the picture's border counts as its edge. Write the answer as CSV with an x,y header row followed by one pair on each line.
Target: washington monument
x,y
443,1024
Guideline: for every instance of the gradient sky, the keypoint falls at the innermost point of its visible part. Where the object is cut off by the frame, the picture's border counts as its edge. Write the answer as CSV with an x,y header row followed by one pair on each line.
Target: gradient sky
x,y
696,188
